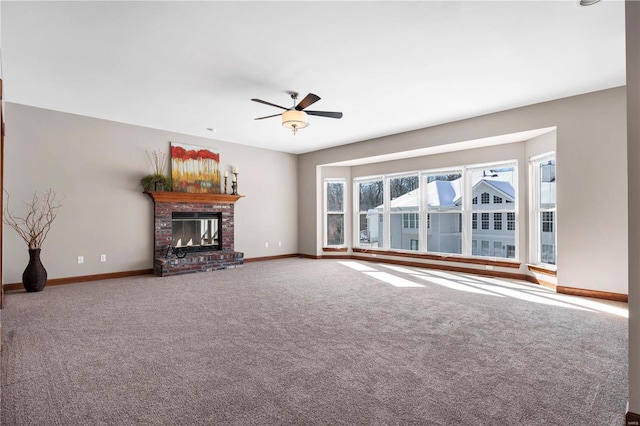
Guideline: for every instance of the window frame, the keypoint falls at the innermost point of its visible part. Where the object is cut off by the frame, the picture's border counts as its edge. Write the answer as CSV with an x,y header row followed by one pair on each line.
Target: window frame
x,y
356,210
388,212
464,207
326,183
492,208
426,211
537,213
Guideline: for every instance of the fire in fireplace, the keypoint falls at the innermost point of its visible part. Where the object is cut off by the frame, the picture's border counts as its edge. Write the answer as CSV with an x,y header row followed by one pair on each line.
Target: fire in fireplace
x,y
196,231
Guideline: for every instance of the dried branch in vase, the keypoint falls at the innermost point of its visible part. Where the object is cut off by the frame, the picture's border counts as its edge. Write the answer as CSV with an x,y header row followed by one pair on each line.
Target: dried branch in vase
x,y
157,181
158,161
34,227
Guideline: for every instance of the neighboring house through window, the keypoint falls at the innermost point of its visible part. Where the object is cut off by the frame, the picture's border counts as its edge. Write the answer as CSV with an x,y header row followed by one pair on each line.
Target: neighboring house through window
x,y
426,211
404,211
443,193
496,185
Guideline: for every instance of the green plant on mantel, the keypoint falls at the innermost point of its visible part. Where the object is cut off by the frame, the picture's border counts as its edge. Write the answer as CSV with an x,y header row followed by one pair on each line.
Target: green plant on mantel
x,y
156,181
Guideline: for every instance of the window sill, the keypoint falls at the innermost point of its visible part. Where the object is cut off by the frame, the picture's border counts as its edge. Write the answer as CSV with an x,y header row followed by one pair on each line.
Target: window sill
x,y
335,249
543,269
450,258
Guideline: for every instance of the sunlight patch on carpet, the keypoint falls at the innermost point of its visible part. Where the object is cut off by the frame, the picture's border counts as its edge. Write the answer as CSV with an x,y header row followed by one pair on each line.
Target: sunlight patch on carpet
x,y
357,266
392,279
400,269
456,285
488,286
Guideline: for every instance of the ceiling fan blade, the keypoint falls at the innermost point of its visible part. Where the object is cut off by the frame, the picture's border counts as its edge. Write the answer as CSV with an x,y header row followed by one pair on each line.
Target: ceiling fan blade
x,y
329,114
268,116
307,101
268,103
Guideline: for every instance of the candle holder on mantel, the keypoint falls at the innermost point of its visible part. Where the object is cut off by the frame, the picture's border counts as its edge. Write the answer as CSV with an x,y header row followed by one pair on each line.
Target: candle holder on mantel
x,y
225,183
234,184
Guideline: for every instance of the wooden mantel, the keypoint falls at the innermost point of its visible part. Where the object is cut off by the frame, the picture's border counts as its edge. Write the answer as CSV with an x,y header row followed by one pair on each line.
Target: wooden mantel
x,y
186,197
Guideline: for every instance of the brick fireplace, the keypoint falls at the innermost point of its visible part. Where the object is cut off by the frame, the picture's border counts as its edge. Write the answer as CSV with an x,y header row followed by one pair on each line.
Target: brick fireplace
x,y
204,259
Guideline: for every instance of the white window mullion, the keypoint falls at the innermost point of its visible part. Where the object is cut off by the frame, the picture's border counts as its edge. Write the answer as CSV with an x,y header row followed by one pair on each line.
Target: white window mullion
x,y
467,208
386,221
423,213
534,190
355,215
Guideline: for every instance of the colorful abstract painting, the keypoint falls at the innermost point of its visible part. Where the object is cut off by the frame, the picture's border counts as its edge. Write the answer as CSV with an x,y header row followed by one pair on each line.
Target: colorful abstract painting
x,y
195,169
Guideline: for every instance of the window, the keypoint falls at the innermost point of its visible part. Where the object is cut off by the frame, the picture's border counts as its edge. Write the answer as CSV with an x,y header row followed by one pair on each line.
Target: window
x,y
511,221
485,220
547,221
543,194
452,211
370,213
497,249
497,221
334,211
485,248
444,211
548,254
410,220
404,211
495,185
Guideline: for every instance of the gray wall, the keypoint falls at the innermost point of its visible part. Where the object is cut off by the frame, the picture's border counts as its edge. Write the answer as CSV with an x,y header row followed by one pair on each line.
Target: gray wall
x,y
592,178
97,165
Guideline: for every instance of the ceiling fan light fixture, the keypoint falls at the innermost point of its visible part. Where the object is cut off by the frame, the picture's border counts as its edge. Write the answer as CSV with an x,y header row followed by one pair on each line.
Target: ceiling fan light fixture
x,y
294,120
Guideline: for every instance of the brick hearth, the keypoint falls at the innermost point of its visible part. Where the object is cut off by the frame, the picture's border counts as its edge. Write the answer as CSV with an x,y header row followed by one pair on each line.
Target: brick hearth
x,y
167,202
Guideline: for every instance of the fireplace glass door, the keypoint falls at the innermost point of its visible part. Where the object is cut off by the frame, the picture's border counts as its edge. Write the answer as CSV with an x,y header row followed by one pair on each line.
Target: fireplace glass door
x,y
196,230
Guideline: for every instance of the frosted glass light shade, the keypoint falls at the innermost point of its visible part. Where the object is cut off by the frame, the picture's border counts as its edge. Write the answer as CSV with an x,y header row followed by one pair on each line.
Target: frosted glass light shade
x,y
294,119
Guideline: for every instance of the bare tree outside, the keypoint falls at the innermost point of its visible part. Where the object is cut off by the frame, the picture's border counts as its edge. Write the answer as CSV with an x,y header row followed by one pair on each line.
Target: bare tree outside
x,y
335,213
402,185
335,196
371,195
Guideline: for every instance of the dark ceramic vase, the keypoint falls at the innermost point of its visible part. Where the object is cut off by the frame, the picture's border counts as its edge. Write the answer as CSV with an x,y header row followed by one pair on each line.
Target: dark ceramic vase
x,y
34,277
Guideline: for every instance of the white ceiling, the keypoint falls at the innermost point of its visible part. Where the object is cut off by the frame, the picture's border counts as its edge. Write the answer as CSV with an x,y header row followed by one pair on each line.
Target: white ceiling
x,y
389,67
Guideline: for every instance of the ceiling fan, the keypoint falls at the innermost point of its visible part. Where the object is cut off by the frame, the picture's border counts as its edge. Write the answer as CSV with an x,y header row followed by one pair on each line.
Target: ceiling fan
x,y
295,118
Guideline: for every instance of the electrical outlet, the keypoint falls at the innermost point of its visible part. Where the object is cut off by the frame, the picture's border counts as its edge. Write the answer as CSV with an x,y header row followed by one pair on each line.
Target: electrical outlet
x,y
80,259
266,245
103,258
279,243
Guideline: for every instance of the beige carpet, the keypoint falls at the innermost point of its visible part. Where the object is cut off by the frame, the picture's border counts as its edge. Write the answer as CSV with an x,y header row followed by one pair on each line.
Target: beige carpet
x,y
311,342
